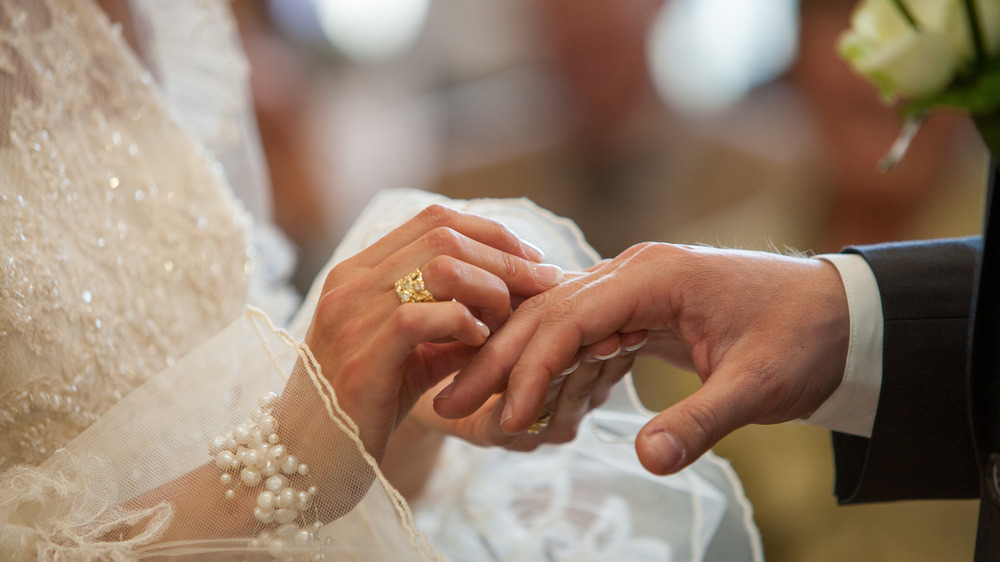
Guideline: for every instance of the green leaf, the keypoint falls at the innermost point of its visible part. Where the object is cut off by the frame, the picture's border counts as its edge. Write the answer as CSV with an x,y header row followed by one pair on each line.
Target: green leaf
x,y
977,91
989,129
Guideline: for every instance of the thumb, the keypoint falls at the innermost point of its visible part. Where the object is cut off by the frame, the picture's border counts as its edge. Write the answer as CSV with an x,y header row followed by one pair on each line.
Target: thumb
x,y
679,435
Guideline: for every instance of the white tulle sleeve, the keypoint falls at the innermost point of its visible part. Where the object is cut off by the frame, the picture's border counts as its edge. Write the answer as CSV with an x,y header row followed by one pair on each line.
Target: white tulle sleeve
x,y
201,459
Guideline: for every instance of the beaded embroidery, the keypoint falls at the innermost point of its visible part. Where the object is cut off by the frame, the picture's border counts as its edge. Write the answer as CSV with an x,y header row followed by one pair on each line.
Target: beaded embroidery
x,y
114,260
252,455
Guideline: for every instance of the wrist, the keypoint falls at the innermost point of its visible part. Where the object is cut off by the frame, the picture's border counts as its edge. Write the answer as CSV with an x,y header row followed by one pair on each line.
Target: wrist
x,y
410,457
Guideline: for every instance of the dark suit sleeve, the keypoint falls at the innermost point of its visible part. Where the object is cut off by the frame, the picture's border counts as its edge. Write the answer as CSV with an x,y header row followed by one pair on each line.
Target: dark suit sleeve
x,y
921,444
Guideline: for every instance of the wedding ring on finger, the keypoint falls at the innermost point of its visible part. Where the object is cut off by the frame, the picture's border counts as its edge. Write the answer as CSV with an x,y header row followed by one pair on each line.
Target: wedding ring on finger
x,y
540,424
411,288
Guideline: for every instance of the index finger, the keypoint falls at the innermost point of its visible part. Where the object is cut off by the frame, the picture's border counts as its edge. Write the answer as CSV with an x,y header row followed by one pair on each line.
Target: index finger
x,y
481,229
489,369
487,372
583,318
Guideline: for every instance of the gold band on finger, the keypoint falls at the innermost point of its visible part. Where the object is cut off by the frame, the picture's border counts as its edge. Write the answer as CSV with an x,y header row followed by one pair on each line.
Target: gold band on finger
x,y
540,424
411,288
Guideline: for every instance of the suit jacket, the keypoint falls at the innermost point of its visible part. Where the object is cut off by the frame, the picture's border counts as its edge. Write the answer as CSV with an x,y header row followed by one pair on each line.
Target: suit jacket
x,y
937,427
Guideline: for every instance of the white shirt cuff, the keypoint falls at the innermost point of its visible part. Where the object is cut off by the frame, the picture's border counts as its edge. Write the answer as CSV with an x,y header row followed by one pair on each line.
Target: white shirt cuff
x,y
851,408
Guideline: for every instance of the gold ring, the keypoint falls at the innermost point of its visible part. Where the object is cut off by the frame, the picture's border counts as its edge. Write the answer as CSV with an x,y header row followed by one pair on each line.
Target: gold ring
x,y
540,424
411,288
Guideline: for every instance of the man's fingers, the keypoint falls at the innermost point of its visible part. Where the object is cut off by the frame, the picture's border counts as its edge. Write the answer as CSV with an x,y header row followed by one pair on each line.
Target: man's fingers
x,y
569,324
677,436
487,372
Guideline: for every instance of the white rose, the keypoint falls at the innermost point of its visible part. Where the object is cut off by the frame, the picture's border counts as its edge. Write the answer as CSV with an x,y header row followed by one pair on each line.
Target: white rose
x,y
915,61
989,23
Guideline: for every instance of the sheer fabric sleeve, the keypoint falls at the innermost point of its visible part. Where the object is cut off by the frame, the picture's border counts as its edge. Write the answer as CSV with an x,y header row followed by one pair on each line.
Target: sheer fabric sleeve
x,y
211,456
125,259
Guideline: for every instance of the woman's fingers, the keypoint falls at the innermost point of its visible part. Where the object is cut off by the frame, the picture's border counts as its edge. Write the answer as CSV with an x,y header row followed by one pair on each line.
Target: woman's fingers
x,y
414,324
403,330
480,428
449,278
521,276
446,278
481,229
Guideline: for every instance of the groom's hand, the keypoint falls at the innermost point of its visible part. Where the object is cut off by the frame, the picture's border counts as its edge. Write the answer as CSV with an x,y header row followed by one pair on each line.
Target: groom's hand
x,y
584,385
767,335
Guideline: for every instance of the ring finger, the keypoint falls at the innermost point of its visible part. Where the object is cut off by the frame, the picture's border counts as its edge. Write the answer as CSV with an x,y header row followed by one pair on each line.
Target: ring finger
x,y
444,278
449,278
589,385
579,376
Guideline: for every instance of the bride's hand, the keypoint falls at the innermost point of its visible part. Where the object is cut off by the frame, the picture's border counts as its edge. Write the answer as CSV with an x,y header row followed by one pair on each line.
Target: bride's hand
x,y
379,355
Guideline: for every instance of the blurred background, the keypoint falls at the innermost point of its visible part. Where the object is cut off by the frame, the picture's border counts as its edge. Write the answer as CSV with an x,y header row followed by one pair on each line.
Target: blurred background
x,y
726,122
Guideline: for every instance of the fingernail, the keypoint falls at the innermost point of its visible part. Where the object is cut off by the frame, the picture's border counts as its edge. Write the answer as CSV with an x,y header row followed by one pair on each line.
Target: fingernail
x,y
611,355
571,368
668,450
638,346
446,392
547,274
508,412
483,331
534,252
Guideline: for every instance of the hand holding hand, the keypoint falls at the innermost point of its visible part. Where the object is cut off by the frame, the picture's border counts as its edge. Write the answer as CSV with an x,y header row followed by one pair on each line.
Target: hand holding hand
x,y
584,385
767,335
380,355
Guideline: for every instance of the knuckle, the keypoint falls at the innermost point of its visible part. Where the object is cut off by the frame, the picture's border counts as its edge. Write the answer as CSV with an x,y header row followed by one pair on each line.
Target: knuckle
x,y
444,270
511,267
444,240
647,247
567,309
505,233
407,318
537,305
702,419
331,304
582,395
436,215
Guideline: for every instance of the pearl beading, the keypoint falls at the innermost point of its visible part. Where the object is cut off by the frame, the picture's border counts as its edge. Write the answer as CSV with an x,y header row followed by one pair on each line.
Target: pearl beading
x,y
252,455
121,249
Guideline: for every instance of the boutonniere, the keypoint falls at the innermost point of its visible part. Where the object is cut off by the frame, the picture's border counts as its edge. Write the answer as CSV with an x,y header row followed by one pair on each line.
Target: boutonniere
x,y
923,54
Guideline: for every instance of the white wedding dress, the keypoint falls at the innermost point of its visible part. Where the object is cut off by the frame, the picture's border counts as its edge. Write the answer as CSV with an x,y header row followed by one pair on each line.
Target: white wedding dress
x,y
131,365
